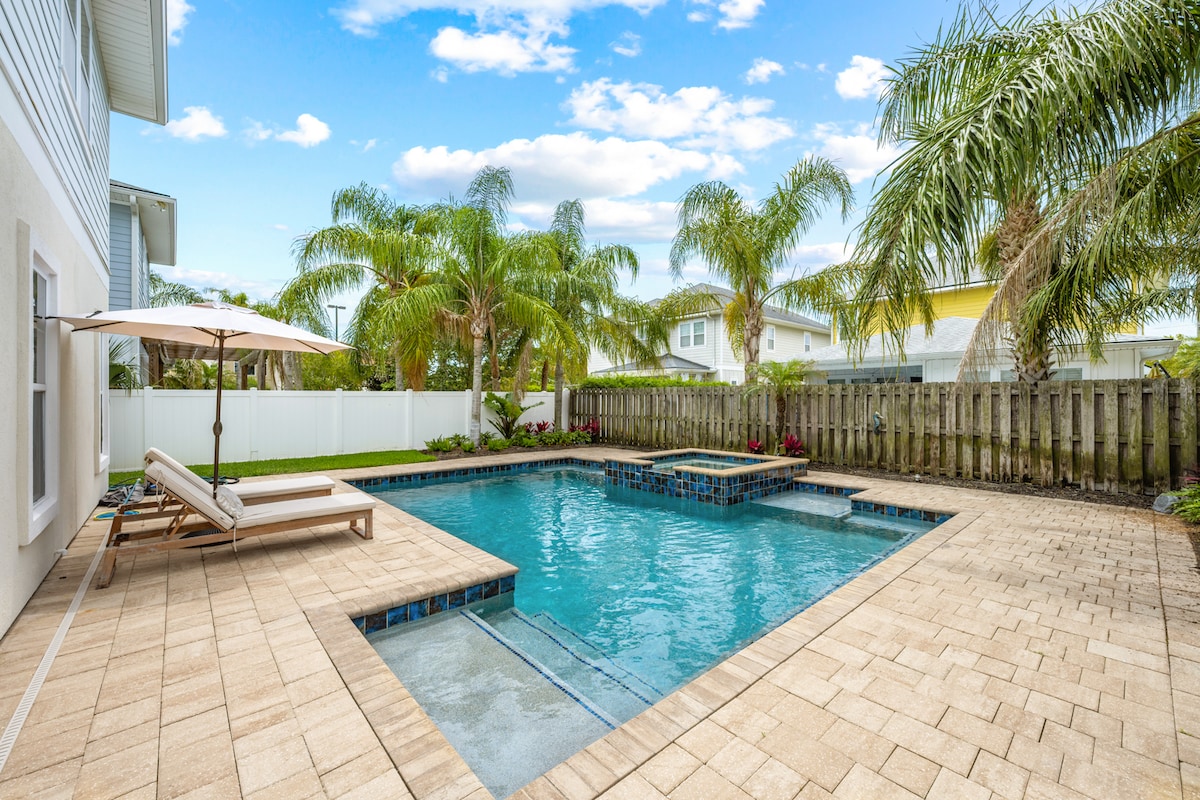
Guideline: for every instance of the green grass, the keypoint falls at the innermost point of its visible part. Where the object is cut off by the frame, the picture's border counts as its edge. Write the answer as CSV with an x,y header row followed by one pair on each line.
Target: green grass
x,y
285,466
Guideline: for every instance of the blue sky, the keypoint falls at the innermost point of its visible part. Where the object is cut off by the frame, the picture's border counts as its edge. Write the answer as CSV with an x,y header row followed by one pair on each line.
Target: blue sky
x,y
623,103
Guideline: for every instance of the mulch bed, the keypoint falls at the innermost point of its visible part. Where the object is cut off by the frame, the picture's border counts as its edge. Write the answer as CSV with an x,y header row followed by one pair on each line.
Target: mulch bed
x,y
1028,489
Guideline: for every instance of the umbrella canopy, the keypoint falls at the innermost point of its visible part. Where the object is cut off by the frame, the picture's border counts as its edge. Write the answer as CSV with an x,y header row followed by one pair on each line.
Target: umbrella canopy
x,y
214,325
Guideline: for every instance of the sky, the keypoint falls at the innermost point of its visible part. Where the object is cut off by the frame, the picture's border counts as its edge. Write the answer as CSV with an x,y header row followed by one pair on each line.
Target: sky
x,y
624,104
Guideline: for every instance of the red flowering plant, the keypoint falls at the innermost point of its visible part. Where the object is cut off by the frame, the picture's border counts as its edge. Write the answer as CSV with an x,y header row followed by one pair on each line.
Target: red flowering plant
x,y
791,446
592,429
538,428
756,447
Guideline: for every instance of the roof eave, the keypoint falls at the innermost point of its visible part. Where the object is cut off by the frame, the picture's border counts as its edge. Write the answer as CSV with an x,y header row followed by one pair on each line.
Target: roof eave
x,y
141,99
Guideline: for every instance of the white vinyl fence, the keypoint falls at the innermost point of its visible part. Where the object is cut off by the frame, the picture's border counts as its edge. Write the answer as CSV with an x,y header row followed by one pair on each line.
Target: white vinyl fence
x,y
278,424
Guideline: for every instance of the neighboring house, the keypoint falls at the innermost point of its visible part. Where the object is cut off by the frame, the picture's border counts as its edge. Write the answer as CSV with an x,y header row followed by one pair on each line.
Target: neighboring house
x,y
936,358
701,350
141,232
64,65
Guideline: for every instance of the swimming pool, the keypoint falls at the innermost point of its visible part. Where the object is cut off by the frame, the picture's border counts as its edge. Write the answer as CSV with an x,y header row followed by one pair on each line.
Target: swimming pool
x,y
644,591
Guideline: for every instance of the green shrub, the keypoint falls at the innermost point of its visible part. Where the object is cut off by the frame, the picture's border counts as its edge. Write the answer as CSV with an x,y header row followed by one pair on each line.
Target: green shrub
x,y
441,444
522,439
459,440
468,446
555,437
1188,506
638,382
496,445
579,437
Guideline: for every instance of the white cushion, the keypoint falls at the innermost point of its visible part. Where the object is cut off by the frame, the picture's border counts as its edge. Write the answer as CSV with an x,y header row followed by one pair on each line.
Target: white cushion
x,y
199,499
230,503
306,508
259,489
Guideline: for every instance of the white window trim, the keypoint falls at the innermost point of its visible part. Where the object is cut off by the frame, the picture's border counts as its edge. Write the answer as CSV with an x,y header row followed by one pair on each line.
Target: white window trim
x,y
688,327
43,512
770,337
807,342
699,329
84,75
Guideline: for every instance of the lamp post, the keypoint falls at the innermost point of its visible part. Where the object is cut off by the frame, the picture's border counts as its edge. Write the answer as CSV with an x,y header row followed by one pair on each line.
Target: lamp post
x,y
336,309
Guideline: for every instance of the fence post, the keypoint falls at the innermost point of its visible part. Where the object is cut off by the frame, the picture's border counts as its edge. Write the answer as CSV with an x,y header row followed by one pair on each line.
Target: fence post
x,y
148,418
338,416
467,414
407,420
252,413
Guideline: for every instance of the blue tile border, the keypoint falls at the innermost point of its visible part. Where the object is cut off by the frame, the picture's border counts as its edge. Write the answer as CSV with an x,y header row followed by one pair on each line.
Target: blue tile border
x,y
437,604
469,472
721,490
886,509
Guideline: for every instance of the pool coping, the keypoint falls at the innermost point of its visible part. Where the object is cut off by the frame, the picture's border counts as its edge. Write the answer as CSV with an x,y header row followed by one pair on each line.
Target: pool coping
x,y
762,461
432,768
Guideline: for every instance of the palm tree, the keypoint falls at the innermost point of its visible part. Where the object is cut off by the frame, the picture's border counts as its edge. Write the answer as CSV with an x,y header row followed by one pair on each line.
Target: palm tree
x,y
170,293
1018,158
381,244
781,377
481,279
585,294
746,245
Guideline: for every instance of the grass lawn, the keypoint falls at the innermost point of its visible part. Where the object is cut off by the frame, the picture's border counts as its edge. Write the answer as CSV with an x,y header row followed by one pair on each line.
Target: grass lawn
x,y
284,466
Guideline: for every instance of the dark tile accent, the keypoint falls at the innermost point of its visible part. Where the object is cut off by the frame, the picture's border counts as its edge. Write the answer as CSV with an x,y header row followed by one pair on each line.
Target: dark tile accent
x,y
377,621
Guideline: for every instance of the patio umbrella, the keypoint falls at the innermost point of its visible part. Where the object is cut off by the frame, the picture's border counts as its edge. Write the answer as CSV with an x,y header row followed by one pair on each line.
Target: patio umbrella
x,y
214,325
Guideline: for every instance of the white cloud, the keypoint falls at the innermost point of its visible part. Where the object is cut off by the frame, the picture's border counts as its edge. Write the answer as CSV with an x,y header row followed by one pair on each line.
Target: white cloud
x,y
733,14
200,280
858,153
279,226
521,49
309,132
370,145
625,221
197,123
762,70
364,17
555,166
628,44
700,116
863,78
177,19
440,74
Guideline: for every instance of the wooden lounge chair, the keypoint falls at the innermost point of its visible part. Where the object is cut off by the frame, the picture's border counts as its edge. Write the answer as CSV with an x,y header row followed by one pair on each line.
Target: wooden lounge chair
x,y
193,518
256,491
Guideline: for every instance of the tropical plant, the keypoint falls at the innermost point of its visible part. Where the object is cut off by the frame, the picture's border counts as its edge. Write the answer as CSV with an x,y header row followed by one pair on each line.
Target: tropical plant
x,y
507,411
584,293
1018,159
756,447
781,377
1186,361
171,293
480,280
496,445
791,446
746,246
591,428
440,444
124,369
380,245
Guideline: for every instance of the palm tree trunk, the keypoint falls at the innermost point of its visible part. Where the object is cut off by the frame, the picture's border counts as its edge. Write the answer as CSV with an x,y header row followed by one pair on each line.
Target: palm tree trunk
x,y
1033,356
750,339
558,389
495,359
260,370
546,370
476,390
399,374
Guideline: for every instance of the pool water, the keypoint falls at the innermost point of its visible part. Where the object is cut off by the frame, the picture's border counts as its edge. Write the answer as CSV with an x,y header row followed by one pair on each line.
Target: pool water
x,y
645,591
698,461
664,586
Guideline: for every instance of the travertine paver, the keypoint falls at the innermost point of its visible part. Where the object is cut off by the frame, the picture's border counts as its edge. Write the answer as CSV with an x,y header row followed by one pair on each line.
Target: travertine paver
x,y
1026,648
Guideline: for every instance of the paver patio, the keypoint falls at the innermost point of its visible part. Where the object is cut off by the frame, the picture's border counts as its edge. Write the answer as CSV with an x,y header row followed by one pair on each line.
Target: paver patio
x,y
1027,648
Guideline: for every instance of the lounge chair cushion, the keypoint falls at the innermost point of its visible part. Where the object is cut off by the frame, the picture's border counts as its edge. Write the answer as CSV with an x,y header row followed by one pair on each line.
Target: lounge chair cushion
x,y
289,510
199,499
246,491
261,489
230,503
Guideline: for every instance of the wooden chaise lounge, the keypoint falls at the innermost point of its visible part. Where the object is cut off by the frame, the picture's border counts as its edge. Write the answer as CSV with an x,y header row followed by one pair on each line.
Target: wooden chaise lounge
x,y
193,518
257,491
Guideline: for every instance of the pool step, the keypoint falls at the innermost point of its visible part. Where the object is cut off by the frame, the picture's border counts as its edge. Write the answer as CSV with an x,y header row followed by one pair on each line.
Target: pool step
x,y
618,692
462,671
823,505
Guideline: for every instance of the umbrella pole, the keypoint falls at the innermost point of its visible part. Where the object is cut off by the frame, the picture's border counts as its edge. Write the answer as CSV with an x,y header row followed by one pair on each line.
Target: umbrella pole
x,y
216,476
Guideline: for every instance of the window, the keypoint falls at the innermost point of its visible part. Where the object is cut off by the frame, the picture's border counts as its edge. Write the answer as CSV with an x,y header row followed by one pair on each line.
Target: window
x,y
770,337
43,413
807,341
691,334
77,61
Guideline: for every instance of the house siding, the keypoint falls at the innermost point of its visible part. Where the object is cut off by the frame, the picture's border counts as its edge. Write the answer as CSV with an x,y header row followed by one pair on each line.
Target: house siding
x,y
120,257
30,55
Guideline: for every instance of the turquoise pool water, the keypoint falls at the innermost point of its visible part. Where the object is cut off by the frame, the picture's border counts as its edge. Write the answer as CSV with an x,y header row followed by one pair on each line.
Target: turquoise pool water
x,y
663,588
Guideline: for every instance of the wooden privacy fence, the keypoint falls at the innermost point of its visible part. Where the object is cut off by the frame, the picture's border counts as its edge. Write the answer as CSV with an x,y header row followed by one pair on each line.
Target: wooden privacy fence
x,y
1128,436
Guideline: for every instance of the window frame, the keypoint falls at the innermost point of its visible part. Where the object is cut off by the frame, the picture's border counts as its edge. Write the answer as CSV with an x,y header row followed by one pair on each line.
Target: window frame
x,y
43,509
77,36
698,333
770,337
807,342
682,327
